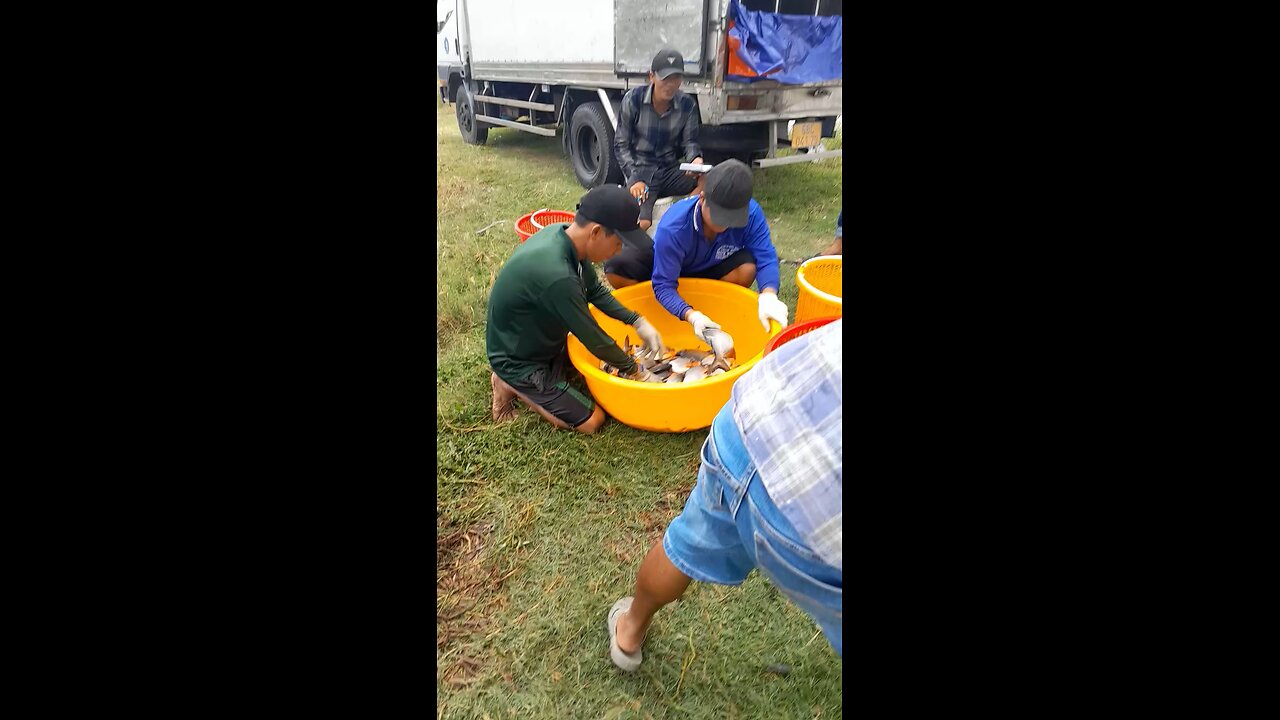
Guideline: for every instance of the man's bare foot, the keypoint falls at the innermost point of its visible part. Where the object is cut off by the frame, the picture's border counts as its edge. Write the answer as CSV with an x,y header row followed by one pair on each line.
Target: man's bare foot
x,y
503,395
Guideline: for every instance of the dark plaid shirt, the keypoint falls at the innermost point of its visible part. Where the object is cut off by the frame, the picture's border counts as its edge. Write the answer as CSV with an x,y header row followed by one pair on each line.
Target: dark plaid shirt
x,y
646,141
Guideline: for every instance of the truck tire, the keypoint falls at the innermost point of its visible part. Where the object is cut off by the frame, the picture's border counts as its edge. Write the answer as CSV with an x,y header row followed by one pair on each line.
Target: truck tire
x,y
473,132
591,147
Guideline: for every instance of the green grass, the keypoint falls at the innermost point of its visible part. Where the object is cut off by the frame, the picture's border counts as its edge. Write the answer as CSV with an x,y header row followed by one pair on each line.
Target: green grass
x,y
539,531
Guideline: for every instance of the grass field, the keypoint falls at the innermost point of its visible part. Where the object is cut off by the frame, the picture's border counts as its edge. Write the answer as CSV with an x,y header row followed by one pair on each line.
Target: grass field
x,y
539,531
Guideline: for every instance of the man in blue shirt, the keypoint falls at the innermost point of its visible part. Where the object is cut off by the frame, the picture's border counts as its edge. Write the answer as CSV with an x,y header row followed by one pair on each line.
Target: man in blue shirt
x,y
719,234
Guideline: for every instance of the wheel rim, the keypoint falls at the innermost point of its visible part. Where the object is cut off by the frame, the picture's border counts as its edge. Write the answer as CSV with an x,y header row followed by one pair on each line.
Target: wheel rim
x,y
589,150
465,116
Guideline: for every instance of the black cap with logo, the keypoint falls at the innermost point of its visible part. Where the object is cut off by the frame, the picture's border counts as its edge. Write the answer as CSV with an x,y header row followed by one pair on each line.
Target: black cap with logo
x,y
613,207
667,63
727,192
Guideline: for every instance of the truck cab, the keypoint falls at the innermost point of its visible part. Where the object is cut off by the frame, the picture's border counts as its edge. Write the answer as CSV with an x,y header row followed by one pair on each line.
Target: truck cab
x,y
448,50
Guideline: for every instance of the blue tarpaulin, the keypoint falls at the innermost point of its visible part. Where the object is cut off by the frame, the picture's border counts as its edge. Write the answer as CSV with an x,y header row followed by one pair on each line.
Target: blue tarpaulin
x,y
790,49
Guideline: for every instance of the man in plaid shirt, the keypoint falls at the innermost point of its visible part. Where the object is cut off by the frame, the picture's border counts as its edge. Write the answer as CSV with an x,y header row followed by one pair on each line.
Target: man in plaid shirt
x,y
769,497
658,122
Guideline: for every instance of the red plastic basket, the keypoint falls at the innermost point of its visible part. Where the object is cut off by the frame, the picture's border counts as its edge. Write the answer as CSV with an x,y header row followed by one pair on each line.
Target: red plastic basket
x,y
543,218
525,228
796,331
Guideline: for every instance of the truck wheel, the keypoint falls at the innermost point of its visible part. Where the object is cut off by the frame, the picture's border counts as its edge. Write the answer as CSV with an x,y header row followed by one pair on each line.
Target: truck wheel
x,y
591,147
473,133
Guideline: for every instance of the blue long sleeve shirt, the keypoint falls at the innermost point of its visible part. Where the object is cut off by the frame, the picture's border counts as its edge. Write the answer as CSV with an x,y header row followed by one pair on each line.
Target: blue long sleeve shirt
x,y
679,247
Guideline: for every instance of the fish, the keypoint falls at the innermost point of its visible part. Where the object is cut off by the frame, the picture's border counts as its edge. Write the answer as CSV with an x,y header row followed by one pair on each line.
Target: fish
x,y
673,366
680,364
720,341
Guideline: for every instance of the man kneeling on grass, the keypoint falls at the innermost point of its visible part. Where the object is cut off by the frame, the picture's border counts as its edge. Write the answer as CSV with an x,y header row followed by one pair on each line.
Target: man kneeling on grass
x,y
768,496
541,295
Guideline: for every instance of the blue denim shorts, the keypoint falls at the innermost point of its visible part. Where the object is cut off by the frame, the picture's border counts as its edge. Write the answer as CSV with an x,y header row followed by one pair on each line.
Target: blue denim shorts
x,y
729,525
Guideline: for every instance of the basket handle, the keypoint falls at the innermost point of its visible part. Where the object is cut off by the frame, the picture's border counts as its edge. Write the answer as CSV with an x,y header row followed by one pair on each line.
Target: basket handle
x,y
533,222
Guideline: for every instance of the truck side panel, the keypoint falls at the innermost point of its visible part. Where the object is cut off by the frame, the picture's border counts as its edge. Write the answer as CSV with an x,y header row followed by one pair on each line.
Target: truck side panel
x,y
551,32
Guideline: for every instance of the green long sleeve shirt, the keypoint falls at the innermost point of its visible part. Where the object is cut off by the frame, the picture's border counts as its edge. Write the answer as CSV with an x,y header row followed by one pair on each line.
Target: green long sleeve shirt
x,y
540,296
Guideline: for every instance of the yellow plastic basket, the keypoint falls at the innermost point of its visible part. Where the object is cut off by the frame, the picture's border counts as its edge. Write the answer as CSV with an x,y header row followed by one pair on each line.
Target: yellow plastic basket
x,y
821,288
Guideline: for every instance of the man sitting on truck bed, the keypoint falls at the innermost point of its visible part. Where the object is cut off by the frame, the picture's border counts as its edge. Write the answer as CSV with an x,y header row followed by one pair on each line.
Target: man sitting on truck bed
x,y
658,121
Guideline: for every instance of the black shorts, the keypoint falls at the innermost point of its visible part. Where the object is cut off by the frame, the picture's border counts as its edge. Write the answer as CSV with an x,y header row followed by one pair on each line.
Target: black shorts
x,y
669,181
636,263
549,388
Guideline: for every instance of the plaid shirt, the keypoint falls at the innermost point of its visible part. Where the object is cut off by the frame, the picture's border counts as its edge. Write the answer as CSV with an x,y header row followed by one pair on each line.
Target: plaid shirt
x,y
646,141
789,409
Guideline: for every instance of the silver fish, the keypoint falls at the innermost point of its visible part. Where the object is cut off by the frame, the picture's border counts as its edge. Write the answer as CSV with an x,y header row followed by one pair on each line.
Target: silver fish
x,y
694,355
717,371
695,373
681,364
720,341
675,377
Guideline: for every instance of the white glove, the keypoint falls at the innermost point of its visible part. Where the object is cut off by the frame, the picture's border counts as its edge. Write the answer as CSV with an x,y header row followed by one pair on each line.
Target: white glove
x,y
701,323
771,308
649,335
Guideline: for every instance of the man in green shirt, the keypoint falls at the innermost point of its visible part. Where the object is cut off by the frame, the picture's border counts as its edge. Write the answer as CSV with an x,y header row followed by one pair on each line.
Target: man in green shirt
x,y
541,295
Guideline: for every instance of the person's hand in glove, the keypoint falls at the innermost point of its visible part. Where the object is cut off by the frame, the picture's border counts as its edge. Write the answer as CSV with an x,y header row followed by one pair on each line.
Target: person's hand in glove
x,y
701,323
771,308
649,336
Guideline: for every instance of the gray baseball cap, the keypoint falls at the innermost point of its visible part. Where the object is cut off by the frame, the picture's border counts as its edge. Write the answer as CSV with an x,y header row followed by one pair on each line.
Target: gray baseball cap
x,y
667,63
727,192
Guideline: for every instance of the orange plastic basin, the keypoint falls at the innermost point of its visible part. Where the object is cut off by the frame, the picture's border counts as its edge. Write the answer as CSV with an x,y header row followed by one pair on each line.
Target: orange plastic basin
x,y
659,407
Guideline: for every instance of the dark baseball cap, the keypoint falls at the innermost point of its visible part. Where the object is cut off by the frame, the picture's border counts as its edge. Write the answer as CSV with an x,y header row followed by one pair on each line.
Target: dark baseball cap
x,y
613,207
727,191
667,63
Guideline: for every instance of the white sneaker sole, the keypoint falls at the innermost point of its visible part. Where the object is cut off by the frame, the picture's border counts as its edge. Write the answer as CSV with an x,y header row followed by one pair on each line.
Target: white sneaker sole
x,y
625,662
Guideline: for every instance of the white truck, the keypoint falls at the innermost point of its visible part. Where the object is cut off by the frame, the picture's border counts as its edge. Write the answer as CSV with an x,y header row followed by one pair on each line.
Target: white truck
x,y
561,67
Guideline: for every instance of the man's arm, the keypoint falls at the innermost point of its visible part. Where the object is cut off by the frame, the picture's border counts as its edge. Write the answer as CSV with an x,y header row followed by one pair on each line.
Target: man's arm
x,y
622,141
566,301
598,295
668,257
692,124
761,245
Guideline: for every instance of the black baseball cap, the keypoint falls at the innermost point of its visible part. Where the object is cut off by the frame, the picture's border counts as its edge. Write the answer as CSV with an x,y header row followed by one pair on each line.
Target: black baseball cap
x,y
667,63
613,207
727,191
